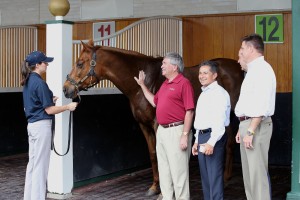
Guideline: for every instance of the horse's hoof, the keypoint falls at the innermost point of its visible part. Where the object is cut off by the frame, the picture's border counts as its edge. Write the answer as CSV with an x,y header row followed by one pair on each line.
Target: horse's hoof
x,y
152,192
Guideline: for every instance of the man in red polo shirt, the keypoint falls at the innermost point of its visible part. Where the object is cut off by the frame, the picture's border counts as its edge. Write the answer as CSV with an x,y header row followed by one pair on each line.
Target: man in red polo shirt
x,y
174,104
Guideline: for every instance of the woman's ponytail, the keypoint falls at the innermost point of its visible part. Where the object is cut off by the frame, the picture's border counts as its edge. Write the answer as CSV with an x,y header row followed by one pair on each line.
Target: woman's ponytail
x,y
25,71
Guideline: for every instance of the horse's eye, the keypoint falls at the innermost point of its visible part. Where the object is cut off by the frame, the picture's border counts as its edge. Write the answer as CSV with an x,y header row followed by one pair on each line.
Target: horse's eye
x,y
79,64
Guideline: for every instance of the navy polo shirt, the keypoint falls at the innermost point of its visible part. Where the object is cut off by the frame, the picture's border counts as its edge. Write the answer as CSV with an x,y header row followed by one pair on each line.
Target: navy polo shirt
x,y
36,97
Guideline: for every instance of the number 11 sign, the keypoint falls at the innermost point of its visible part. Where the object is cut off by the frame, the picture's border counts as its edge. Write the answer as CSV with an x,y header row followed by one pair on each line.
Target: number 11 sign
x,y
102,29
270,27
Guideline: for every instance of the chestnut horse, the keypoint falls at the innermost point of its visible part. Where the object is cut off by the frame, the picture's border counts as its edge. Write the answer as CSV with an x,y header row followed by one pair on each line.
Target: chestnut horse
x,y
96,63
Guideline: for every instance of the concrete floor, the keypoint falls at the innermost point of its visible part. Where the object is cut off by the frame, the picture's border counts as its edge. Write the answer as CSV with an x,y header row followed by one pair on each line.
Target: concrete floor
x,y
134,185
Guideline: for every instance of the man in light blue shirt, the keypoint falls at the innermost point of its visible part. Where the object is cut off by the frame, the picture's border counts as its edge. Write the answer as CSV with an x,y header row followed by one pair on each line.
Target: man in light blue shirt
x,y
212,116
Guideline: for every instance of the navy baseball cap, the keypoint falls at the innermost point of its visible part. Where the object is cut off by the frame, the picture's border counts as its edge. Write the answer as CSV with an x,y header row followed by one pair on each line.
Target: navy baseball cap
x,y
37,57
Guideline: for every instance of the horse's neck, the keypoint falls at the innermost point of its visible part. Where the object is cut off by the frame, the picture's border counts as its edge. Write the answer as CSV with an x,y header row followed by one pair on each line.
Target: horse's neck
x,y
121,66
121,73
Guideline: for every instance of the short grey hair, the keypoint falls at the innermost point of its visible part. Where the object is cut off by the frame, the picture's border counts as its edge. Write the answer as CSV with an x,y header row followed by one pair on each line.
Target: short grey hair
x,y
212,64
176,59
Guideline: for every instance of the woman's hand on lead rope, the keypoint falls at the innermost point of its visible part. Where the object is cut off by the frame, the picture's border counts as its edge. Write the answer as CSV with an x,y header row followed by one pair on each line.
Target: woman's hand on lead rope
x,y
72,106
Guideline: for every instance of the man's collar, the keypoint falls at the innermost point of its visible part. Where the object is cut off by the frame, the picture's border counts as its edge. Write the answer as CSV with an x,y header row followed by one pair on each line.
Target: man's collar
x,y
212,85
177,79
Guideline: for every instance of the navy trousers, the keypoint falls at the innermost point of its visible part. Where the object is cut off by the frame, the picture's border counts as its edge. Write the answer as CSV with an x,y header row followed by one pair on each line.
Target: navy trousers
x,y
212,168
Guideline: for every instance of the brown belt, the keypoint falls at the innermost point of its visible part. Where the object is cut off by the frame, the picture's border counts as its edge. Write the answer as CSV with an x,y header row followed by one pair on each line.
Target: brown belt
x,y
244,118
172,124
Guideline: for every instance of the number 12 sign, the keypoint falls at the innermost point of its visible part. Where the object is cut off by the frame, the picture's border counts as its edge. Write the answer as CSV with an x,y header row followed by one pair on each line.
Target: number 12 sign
x,y
270,27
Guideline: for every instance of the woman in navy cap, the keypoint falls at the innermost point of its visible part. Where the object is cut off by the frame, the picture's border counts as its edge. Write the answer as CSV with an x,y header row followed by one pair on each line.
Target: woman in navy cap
x,y
39,107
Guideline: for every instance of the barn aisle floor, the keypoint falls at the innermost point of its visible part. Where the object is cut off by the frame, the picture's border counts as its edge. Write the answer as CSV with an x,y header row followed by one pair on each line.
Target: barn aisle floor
x,y
133,186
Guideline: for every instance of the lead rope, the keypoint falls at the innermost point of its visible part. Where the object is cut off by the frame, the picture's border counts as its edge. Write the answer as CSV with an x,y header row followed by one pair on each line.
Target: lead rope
x,y
69,135
69,132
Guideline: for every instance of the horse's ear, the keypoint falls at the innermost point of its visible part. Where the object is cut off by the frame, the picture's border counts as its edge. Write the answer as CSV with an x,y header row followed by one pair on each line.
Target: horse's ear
x,y
88,45
91,42
84,46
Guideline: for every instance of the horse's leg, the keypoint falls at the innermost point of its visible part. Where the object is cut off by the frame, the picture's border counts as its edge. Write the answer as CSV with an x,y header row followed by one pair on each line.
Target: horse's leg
x,y
231,133
229,153
151,141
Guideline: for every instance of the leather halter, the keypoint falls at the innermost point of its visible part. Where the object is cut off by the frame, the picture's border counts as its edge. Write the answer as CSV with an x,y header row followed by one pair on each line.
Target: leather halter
x,y
91,74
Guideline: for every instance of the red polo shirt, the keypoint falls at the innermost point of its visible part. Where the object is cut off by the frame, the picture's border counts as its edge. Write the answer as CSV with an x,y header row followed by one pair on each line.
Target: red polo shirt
x,y
173,99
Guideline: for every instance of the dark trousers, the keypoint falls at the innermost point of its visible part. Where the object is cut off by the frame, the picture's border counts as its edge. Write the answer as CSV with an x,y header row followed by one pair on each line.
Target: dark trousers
x,y
212,168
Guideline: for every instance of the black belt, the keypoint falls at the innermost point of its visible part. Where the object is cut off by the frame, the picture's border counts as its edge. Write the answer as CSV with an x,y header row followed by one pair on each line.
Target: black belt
x,y
204,131
172,124
243,118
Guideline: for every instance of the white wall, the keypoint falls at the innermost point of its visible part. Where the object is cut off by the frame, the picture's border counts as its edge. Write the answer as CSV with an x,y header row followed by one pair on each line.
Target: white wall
x,y
243,5
26,12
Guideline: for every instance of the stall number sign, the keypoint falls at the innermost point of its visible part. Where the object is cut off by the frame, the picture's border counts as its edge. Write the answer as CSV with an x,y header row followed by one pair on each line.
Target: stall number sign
x,y
102,29
270,27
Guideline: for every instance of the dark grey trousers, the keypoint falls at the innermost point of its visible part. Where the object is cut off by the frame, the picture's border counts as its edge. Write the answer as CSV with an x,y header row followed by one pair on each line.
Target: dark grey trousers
x,y
212,168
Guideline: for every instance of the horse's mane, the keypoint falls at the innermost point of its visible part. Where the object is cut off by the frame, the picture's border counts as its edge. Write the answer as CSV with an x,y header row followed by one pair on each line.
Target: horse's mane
x,y
115,49
129,52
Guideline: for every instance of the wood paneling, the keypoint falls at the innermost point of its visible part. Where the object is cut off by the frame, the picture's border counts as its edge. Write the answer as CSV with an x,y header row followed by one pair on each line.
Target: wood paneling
x,y
206,37
123,23
229,37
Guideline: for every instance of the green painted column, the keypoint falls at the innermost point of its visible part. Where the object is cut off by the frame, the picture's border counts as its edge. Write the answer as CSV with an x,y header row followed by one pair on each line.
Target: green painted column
x,y
295,183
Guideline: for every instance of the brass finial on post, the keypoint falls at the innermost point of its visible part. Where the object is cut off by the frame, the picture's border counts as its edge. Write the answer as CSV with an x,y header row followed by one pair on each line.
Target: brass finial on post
x,y
59,8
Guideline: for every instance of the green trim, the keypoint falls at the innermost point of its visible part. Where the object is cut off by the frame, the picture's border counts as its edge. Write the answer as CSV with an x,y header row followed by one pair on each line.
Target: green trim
x,y
109,176
295,185
293,196
59,22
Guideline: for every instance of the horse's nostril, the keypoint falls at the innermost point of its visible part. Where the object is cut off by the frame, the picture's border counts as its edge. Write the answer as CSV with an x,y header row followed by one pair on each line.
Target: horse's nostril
x,y
66,92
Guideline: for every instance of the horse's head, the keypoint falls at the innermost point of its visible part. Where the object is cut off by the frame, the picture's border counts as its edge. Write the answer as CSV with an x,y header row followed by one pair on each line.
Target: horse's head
x,y
82,75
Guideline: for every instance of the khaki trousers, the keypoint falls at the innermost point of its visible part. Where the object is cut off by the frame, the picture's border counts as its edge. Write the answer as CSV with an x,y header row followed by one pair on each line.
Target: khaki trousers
x,y
255,161
173,163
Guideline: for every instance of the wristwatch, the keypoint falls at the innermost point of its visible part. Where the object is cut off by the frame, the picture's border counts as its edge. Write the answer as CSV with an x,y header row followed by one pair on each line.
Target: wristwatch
x,y
250,133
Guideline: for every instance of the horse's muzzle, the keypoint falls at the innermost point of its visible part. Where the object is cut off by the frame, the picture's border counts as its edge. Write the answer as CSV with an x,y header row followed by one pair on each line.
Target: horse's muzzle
x,y
70,92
